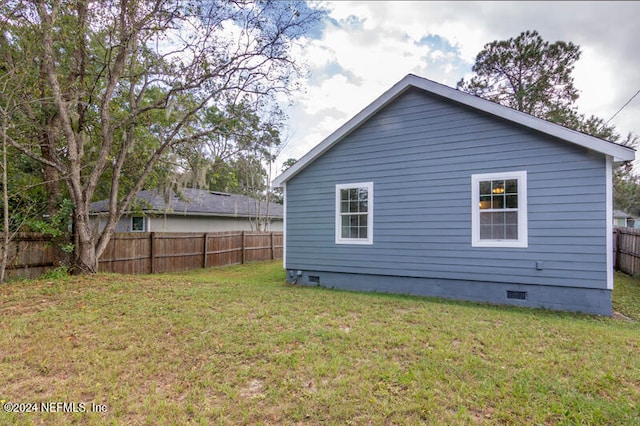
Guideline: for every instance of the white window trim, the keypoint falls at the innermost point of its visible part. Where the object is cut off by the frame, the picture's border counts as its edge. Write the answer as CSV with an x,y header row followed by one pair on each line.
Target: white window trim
x,y
523,236
338,219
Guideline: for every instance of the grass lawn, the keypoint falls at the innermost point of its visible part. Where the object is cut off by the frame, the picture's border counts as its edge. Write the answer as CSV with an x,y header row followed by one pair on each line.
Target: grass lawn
x,y
239,346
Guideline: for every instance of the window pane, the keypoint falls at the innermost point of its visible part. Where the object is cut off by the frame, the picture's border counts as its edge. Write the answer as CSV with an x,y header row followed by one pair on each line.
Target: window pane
x,y
512,201
485,202
362,206
497,187
344,195
511,218
485,187
485,218
344,207
353,194
512,232
497,202
511,186
498,232
485,232
363,232
345,232
353,206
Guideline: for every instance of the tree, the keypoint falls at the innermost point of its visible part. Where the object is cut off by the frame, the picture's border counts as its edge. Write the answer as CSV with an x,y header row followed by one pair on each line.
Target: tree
x,y
237,159
125,83
288,163
23,199
533,76
5,107
528,74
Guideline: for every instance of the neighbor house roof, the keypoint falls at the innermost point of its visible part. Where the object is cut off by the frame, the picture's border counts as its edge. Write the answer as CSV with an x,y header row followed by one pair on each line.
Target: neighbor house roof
x,y
197,202
621,214
616,151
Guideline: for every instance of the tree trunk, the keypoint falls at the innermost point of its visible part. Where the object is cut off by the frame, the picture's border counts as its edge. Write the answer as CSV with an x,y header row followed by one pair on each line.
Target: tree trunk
x,y
5,204
85,260
51,175
48,137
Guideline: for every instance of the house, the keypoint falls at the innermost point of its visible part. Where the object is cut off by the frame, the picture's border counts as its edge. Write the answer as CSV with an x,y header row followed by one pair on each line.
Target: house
x,y
432,191
624,220
193,210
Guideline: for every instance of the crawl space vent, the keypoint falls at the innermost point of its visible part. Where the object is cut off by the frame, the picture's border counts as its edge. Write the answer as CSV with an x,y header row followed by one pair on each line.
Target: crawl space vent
x,y
314,279
518,295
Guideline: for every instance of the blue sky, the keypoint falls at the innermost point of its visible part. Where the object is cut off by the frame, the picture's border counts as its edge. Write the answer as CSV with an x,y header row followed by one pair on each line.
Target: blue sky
x,y
363,48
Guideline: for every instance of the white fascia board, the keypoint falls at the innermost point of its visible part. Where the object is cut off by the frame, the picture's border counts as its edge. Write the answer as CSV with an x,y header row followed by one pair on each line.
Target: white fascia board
x,y
617,152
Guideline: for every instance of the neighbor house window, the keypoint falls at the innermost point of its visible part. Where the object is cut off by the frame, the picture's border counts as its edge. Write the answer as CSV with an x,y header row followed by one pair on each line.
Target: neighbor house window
x,y
354,213
499,209
138,224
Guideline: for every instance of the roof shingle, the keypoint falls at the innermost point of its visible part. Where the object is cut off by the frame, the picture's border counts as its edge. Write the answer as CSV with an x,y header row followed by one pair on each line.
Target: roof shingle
x,y
198,202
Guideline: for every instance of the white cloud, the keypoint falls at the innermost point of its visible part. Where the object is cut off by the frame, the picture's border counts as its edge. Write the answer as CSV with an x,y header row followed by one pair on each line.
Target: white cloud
x,y
366,47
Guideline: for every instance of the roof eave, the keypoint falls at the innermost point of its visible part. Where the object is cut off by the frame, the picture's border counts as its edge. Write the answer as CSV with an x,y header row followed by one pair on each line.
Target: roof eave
x,y
158,213
619,153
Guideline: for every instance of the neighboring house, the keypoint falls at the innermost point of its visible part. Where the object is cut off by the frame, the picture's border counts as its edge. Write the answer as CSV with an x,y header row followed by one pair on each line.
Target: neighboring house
x,y
625,220
432,191
193,210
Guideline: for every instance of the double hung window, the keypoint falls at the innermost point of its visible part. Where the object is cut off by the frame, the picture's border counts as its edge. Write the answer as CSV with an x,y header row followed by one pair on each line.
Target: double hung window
x,y
354,213
499,209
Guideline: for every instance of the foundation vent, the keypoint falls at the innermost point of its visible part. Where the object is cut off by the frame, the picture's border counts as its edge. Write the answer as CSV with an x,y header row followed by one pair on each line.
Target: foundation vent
x,y
314,279
518,295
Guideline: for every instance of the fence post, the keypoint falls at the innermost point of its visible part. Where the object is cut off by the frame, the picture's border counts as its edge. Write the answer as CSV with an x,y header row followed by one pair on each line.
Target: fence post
x,y
272,249
244,246
204,251
616,249
152,251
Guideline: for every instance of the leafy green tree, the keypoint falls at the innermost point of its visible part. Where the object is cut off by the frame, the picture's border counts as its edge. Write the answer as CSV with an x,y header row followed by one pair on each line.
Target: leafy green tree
x,y
534,76
288,163
120,85
237,159
528,74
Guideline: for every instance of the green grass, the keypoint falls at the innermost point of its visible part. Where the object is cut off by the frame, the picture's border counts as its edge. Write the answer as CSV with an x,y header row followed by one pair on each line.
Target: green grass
x,y
626,295
239,346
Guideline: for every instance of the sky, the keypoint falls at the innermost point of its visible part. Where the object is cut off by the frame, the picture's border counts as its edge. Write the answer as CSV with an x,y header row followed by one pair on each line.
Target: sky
x,y
362,48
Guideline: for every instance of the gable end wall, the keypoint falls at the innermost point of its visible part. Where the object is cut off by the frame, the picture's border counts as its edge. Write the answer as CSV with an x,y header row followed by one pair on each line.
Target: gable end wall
x,y
420,152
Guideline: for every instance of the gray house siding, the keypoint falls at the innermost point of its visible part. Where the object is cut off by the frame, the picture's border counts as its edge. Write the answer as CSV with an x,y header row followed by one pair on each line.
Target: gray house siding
x,y
420,152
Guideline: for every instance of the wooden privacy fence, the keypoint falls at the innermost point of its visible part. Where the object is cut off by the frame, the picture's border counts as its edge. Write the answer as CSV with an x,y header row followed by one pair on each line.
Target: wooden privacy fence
x,y
626,250
151,252
32,254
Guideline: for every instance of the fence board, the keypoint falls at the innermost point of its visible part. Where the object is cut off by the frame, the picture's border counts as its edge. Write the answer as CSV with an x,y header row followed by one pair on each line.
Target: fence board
x,y
31,254
626,255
